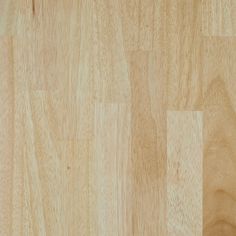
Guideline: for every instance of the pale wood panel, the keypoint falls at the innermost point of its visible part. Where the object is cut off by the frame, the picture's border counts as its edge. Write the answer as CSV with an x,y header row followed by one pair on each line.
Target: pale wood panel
x,y
7,133
64,166
7,17
138,24
85,87
59,62
219,162
19,141
219,63
184,54
110,171
75,156
55,176
109,62
148,99
36,27
51,32
142,23
219,137
184,173
53,120
76,86
42,200
219,18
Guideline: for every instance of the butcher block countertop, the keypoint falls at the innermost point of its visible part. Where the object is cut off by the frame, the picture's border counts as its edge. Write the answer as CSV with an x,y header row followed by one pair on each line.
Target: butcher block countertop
x,y
117,118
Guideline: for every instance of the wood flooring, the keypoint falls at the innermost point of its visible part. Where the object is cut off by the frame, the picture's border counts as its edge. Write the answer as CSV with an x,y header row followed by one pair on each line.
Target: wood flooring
x,y
117,118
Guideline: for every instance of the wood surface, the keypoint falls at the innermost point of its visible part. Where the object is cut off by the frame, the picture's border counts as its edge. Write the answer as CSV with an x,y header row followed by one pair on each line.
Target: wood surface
x,y
117,118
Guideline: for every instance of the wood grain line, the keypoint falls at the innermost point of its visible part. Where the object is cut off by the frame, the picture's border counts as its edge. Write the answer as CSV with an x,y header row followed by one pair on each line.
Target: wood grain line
x,y
33,7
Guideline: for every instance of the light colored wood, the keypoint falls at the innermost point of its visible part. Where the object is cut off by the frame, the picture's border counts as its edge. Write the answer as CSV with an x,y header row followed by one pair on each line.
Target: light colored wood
x,y
219,162
7,132
138,24
219,17
184,55
7,17
117,117
110,171
148,145
184,172
219,136
109,61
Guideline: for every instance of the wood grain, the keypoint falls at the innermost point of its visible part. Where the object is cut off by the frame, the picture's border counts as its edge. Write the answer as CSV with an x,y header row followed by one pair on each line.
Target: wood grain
x,y
148,146
219,137
184,55
6,141
117,118
110,66
219,18
219,162
184,170
110,171
7,17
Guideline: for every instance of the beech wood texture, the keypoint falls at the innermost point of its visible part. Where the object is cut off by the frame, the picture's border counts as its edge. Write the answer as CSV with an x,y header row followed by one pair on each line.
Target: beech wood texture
x,y
117,117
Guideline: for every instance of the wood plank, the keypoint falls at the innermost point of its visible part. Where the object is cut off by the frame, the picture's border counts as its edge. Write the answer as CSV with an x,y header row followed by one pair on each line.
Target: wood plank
x,y
110,171
53,122
109,61
148,99
102,108
184,172
219,18
142,23
219,162
7,133
138,24
7,17
219,136
184,55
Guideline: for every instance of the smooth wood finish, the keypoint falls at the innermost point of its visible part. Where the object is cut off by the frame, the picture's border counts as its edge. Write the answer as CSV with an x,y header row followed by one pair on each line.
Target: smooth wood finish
x,y
219,137
184,170
117,117
184,55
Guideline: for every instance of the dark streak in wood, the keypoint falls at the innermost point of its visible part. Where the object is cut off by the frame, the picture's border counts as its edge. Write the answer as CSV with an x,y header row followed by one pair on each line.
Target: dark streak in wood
x,y
221,222
33,7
